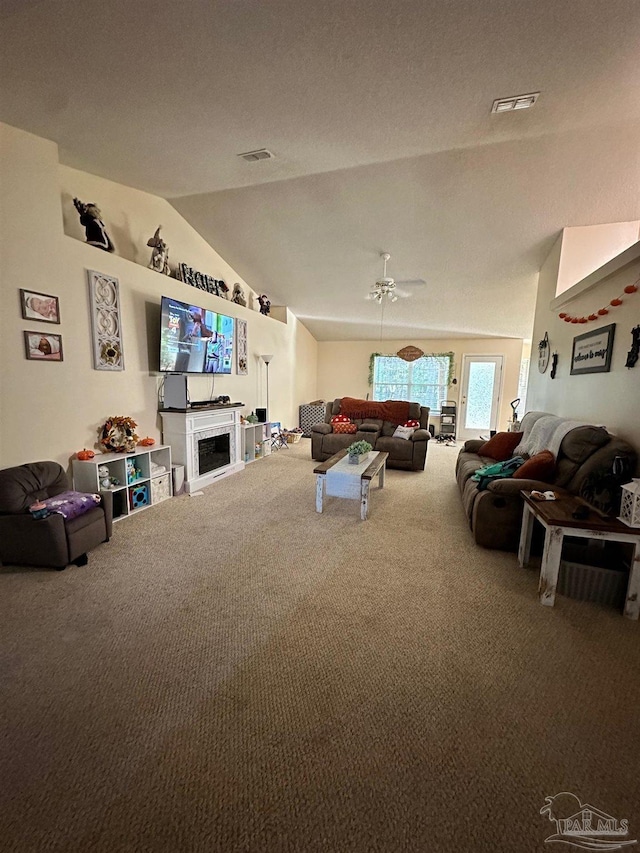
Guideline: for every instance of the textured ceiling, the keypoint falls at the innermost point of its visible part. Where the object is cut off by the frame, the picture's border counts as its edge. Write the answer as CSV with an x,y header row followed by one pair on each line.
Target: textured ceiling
x,y
378,113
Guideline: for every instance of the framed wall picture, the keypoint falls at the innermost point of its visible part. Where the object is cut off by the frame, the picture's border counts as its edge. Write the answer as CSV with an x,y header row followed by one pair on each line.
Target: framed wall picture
x,y
41,346
39,306
592,351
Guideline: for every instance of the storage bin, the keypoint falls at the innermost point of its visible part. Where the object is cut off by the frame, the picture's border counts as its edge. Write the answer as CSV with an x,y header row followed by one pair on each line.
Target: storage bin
x,y
605,583
160,488
592,583
310,415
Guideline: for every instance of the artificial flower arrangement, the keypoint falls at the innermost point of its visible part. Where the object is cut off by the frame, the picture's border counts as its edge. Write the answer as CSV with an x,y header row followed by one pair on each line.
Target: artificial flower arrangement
x,y
357,450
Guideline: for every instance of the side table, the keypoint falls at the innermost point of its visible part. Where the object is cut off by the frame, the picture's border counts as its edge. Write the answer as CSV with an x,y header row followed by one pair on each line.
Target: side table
x,y
557,519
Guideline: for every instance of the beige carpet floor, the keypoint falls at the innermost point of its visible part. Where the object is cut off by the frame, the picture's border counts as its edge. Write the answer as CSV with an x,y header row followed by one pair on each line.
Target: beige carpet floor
x,y
235,672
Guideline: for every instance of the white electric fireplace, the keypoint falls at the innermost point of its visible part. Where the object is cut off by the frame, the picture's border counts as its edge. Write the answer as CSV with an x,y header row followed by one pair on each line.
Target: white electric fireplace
x,y
206,442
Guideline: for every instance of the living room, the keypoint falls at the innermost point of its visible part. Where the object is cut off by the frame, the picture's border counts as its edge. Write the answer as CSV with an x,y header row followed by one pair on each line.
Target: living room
x,y
234,671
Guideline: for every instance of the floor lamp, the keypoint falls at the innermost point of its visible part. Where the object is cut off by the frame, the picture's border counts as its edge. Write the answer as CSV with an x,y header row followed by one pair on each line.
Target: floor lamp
x,y
267,359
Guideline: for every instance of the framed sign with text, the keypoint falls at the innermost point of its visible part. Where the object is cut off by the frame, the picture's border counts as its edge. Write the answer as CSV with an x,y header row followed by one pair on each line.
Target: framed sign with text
x,y
592,351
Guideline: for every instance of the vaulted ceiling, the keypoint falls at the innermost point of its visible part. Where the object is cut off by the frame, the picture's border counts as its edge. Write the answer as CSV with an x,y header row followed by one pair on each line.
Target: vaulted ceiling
x,y
378,116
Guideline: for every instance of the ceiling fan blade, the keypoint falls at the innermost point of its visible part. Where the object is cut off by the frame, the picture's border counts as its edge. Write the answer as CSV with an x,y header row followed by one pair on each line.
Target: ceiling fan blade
x,y
409,282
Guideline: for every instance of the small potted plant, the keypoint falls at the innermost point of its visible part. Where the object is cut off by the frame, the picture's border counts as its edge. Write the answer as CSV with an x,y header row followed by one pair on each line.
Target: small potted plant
x,y
358,450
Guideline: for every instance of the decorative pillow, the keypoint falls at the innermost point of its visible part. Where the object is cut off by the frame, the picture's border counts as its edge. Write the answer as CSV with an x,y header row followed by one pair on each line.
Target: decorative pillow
x,y
412,423
340,419
348,428
72,504
501,446
541,467
403,432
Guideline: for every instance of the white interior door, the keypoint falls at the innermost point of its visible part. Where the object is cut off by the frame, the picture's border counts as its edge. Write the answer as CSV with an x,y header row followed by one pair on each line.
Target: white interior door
x,y
480,395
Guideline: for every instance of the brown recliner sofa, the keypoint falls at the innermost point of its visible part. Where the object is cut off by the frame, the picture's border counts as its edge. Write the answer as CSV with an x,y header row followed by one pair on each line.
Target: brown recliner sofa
x,y
51,541
584,467
407,454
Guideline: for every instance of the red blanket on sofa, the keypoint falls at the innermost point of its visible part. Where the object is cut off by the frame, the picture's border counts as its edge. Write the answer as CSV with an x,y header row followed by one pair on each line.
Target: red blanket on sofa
x,y
396,411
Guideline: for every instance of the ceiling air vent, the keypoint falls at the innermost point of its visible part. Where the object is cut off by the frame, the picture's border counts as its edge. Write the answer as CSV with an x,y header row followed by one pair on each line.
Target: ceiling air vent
x,y
517,102
260,154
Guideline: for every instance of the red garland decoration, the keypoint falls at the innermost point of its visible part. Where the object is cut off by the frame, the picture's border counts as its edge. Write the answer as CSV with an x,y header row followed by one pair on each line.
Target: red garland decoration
x,y
602,312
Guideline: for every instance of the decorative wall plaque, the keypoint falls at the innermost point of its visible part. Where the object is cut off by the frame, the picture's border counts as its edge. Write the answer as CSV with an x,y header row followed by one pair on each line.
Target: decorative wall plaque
x,y
202,281
592,351
104,298
241,348
410,353
544,353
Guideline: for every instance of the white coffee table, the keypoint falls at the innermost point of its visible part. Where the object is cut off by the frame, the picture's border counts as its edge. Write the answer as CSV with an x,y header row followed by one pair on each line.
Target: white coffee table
x,y
349,481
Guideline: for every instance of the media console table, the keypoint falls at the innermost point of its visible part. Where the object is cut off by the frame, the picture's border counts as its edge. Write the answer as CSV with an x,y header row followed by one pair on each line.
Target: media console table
x,y
206,440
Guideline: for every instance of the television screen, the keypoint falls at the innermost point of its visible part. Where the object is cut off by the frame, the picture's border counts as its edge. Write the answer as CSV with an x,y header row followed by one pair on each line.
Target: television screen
x,y
194,339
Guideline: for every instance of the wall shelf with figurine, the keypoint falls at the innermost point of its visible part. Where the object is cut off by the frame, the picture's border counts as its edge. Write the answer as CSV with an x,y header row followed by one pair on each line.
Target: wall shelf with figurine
x,y
138,480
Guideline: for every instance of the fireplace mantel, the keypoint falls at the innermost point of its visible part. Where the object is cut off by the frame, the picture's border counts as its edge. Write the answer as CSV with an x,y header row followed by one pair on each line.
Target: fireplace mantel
x,y
184,429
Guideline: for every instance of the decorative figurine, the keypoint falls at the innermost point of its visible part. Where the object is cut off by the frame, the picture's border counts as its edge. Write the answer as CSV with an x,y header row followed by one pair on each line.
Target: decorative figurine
x,y
96,233
238,295
131,471
265,304
160,255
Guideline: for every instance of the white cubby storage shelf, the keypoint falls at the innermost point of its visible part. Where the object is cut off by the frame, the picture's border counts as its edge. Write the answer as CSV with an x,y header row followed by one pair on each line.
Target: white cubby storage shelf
x,y
256,441
147,484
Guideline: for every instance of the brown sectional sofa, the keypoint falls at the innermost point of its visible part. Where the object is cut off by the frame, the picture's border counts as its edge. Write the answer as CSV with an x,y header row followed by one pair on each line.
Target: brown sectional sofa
x,y
584,467
408,454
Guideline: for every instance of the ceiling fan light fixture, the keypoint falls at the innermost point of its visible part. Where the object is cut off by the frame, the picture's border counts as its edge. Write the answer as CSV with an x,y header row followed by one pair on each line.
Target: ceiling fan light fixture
x,y
386,285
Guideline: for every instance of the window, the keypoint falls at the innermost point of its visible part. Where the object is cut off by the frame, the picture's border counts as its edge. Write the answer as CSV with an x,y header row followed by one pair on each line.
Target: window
x,y
424,381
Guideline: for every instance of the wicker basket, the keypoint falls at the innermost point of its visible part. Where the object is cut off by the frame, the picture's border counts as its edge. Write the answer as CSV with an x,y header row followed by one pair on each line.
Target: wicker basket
x,y
293,437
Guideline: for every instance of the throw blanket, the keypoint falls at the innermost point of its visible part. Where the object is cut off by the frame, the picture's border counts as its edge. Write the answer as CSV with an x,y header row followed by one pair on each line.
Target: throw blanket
x,y
396,411
72,504
527,424
497,471
546,433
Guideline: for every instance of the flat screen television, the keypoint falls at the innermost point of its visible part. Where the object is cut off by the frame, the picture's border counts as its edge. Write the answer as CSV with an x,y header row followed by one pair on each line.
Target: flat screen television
x,y
194,339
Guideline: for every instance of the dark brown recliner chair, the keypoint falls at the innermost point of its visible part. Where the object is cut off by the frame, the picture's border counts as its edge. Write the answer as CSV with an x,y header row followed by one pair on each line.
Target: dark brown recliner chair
x,y
51,541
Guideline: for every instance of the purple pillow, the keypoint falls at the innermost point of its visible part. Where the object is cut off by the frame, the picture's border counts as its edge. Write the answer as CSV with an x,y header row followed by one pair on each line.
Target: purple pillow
x,y
72,504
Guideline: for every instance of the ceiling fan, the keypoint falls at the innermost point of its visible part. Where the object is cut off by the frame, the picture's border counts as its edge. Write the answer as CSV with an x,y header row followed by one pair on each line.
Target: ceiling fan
x,y
387,286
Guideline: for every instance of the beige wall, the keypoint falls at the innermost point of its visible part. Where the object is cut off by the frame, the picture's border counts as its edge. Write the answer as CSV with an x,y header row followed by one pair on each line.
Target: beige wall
x,y
613,398
49,410
343,367
585,248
